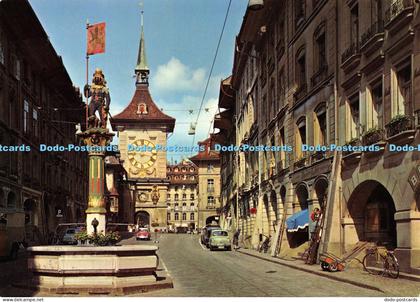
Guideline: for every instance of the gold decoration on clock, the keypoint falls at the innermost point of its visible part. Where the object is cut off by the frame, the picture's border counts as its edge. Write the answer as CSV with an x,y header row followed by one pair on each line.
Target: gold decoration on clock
x,y
142,159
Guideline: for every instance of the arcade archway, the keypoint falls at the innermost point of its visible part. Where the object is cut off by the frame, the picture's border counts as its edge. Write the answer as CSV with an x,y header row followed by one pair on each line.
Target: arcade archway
x,y
142,218
372,208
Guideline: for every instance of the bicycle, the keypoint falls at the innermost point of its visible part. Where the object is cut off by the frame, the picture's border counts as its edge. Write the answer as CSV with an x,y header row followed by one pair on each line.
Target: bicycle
x,y
265,245
381,263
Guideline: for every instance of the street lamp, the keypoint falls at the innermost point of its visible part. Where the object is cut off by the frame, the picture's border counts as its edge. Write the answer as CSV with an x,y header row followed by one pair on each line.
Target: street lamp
x,y
255,4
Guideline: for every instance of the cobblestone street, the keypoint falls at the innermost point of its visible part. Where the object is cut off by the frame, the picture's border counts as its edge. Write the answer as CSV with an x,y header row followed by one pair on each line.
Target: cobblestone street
x,y
197,271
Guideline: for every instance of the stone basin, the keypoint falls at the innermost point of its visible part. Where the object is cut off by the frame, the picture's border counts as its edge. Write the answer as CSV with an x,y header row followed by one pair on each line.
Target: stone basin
x,y
93,269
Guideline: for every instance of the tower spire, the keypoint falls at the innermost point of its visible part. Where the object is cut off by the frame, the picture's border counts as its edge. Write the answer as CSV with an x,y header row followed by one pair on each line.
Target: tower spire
x,y
142,70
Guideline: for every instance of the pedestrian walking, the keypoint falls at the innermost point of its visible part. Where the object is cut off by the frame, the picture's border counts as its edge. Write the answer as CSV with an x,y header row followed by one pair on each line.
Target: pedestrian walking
x,y
236,239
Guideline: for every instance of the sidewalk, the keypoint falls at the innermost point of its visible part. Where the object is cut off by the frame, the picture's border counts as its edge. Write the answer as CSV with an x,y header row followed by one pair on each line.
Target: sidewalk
x,y
354,276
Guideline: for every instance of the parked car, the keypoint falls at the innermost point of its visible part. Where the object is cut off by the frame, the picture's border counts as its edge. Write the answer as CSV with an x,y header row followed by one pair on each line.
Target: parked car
x,y
69,236
206,233
143,234
219,240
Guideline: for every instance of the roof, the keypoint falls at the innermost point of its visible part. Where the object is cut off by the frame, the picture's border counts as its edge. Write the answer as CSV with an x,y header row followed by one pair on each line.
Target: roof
x,y
27,31
142,59
131,115
208,154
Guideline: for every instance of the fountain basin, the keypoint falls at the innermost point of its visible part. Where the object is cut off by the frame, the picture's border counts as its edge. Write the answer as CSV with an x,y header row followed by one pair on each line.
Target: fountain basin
x,y
99,269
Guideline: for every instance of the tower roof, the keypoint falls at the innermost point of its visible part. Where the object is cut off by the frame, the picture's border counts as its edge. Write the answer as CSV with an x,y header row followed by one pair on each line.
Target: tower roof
x,y
141,58
142,112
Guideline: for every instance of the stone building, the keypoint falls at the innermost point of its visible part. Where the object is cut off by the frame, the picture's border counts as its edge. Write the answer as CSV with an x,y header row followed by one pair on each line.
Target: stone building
x,y
182,196
378,105
39,105
142,126
208,163
321,73
119,205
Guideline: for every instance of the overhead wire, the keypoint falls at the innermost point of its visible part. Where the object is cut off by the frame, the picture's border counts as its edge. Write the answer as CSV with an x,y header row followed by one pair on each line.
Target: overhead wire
x,y
212,66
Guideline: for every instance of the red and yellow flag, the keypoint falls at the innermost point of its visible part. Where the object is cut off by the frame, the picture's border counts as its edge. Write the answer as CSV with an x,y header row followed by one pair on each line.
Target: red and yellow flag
x,y
96,38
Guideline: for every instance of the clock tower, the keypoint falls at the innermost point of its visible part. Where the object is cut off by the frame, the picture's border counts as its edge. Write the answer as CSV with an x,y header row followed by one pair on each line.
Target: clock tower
x,y
141,127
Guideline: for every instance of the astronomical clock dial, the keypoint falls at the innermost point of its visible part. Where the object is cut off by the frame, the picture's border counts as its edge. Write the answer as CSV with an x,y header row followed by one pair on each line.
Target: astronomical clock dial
x,y
143,197
143,160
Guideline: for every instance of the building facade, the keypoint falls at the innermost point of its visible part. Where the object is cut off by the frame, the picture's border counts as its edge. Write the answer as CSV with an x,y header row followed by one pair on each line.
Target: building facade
x,y
141,127
39,105
208,164
320,73
182,196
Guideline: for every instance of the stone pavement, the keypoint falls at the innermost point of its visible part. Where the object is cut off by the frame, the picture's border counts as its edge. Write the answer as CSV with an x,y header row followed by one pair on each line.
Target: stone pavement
x,y
354,276
196,271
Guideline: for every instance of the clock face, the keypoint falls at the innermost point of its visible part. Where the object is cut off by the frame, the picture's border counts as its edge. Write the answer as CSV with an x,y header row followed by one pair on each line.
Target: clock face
x,y
143,159
143,197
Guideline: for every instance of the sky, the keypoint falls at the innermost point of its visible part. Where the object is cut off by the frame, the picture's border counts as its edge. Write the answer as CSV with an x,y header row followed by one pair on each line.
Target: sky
x,y
181,39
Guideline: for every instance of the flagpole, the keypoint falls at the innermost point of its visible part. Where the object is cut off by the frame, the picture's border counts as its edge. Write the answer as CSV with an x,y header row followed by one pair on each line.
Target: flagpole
x,y
87,73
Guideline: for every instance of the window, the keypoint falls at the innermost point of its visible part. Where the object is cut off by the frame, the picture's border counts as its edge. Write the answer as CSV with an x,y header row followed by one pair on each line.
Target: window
x,y
2,49
192,196
273,104
35,125
184,216
320,49
210,185
25,116
210,200
184,206
403,95
168,196
354,117
192,216
282,154
168,216
301,70
184,196
354,23
168,206
300,137
192,206
176,196
299,12
210,168
377,11
281,89
17,68
176,216
321,125
377,106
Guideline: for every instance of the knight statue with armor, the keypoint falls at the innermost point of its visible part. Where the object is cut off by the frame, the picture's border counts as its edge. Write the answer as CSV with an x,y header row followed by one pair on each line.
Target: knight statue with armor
x,y
100,100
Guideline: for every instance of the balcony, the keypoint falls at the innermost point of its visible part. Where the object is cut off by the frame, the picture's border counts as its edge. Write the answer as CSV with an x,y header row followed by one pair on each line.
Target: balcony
x,y
300,93
399,14
300,163
319,76
350,58
376,137
372,137
211,207
373,38
400,129
351,157
318,156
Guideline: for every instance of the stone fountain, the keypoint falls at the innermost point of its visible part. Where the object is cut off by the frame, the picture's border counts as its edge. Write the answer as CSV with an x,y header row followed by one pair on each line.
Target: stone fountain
x,y
95,269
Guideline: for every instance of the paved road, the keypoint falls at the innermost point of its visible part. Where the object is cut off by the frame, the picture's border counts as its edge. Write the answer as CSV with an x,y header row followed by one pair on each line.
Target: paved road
x,y
197,271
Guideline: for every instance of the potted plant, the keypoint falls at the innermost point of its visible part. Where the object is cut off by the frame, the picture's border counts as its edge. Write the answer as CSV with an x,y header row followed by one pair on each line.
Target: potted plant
x,y
372,136
81,237
398,124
